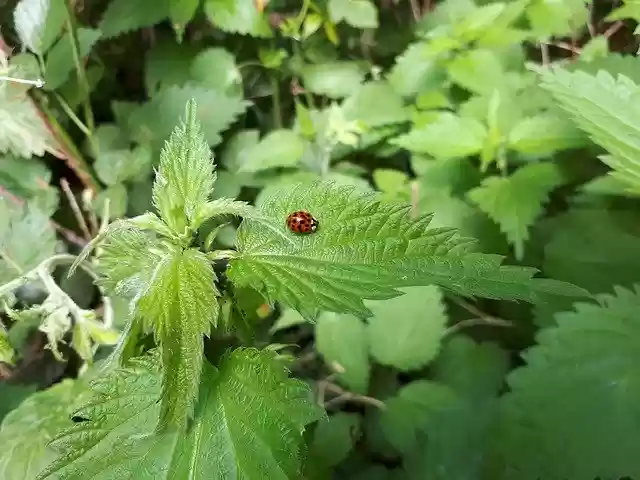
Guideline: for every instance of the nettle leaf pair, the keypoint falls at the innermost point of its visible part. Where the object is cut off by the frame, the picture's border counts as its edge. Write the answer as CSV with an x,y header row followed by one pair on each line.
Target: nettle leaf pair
x,y
365,249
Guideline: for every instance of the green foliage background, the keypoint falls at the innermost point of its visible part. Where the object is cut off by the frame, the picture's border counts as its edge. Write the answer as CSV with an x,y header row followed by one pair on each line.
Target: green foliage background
x,y
468,308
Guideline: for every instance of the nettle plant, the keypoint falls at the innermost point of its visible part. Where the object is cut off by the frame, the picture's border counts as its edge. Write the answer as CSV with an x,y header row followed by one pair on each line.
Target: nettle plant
x,y
157,407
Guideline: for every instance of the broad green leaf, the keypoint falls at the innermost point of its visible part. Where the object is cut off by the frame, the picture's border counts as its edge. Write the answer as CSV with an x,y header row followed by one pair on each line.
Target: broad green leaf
x,y
249,413
474,370
405,332
153,122
117,197
544,134
56,17
412,409
185,177
334,438
59,64
168,63
29,18
28,179
357,13
238,16
220,207
181,306
593,248
279,148
462,430
236,149
7,354
570,411
333,79
515,202
26,431
18,223
479,71
116,166
289,318
416,70
215,68
11,396
364,249
556,17
342,341
24,132
449,136
607,110
375,104
123,16
181,12
630,9
128,260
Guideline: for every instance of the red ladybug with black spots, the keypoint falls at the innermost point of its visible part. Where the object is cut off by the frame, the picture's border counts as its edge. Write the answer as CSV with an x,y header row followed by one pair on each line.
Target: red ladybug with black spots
x,y
302,222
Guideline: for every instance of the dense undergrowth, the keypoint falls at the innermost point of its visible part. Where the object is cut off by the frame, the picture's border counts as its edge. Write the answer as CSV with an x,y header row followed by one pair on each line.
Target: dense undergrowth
x,y
467,307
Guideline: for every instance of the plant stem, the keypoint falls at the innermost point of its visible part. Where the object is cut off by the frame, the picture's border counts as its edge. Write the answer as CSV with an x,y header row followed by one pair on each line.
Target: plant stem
x,y
277,113
72,156
82,75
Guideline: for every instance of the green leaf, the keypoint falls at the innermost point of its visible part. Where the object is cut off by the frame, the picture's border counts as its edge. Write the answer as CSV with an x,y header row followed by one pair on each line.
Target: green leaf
x,y
168,63
123,16
412,409
128,260
357,13
515,202
18,223
479,71
186,175
416,70
248,412
279,148
449,136
56,17
59,64
181,12
342,341
593,248
544,134
29,18
220,207
333,79
556,18
11,396
28,179
568,411
181,305
334,438
153,122
215,68
474,370
238,16
116,166
364,249
375,104
27,430
606,110
411,340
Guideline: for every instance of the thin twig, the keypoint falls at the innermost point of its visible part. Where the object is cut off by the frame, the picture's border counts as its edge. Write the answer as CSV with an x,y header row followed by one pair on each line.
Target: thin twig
x,y
613,29
346,396
544,52
77,212
482,318
475,322
82,75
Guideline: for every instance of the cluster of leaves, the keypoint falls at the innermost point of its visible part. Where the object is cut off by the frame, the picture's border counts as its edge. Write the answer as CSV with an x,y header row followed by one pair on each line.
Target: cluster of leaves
x,y
208,339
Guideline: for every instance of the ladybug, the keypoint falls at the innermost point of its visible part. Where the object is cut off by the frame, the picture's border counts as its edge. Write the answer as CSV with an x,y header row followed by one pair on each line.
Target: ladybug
x,y
302,222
